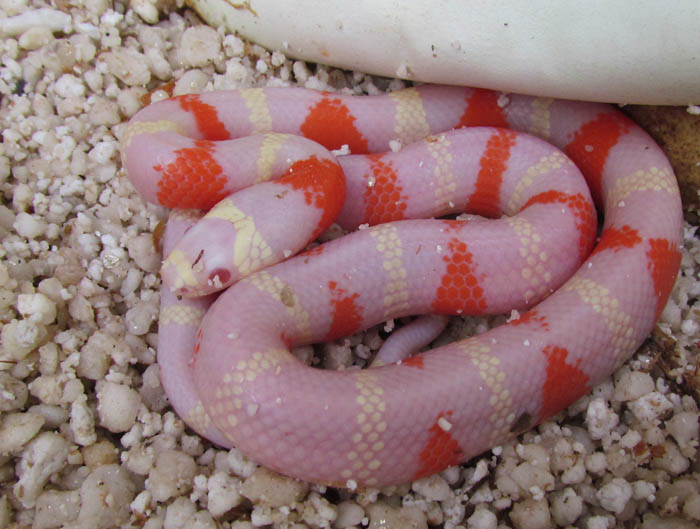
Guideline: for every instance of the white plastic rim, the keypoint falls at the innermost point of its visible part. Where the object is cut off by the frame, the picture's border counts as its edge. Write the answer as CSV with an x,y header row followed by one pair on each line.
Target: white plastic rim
x,y
618,51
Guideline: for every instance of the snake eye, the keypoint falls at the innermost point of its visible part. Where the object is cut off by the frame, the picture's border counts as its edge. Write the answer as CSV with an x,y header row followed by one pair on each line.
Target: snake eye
x,y
219,276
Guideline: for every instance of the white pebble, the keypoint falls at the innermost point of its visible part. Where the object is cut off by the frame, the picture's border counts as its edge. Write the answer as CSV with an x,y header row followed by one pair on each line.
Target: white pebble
x,y
138,459
82,422
178,513
83,48
65,148
199,46
37,307
528,476
433,488
277,58
54,416
614,495
223,494
69,85
55,508
238,463
48,358
143,253
146,9
643,491
105,497
53,19
94,80
531,514
13,392
131,282
22,195
691,507
69,106
633,385
690,327
110,17
103,152
672,314
482,519
94,355
600,522
192,82
301,71
45,455
566,506
630,439
35,37
451,474
129,100
575,473
536,455
104,112
81,309
140,317
48,389
128,65
671,460
384,515
273,489
683,427
100,453
18,429
261,66
233,46
13,7
202,520
600,419
117,406
650,407
171,476
141,503
321,513
349,514
29,226
596,463
155,399
20,337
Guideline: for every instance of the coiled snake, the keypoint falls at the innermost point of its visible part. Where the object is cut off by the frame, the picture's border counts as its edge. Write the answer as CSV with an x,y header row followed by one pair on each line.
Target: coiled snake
x,y
245,157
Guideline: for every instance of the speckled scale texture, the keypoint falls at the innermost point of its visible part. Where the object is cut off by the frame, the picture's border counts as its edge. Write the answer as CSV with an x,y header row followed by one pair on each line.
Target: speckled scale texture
x,y
260,162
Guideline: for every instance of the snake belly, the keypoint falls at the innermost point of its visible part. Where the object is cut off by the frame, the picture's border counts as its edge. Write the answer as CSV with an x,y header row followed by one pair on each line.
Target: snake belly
x,y
239,295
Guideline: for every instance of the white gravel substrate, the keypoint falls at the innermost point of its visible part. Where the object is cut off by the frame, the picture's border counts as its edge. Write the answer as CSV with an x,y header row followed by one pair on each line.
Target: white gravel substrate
x,y
86,437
